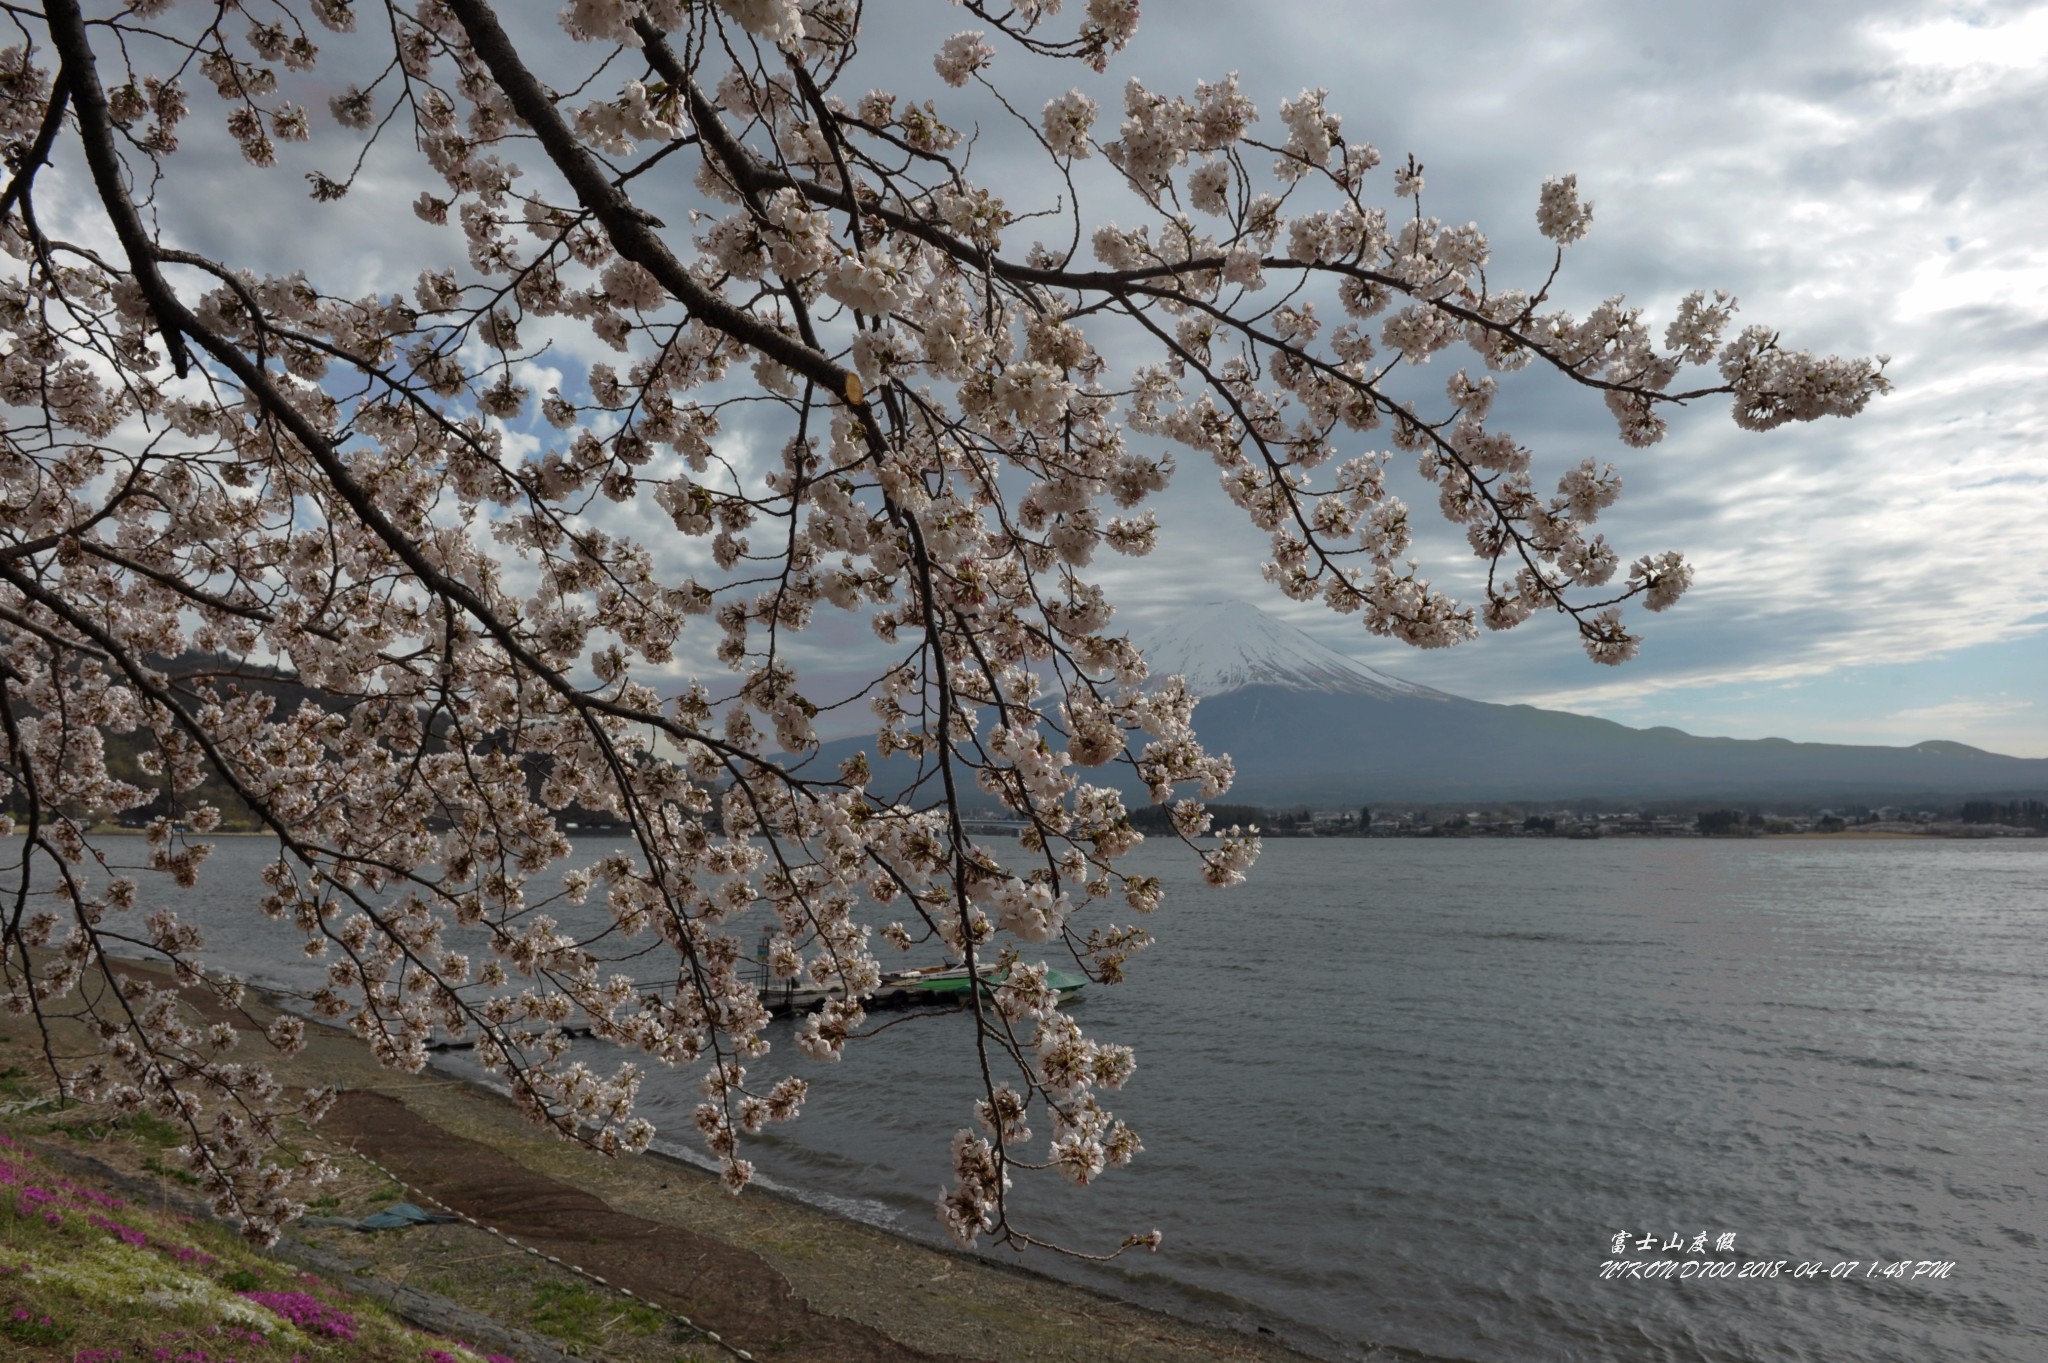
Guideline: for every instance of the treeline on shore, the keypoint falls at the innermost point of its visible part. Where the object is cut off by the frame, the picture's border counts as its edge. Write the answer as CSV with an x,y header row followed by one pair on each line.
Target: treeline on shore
x,y
2013,813
1970,817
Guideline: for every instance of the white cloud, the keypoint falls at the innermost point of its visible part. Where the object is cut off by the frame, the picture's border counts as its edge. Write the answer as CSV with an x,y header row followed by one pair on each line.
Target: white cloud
x,y
1963,711
1867,176
1957,44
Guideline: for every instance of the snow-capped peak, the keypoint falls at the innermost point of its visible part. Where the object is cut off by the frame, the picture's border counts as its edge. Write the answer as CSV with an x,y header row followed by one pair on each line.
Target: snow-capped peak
x,y
1220,646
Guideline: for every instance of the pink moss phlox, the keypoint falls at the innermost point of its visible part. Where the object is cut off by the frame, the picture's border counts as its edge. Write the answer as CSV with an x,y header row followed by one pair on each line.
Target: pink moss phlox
x,y
98,1356
80,1193
308,1313
127,1235
34,1200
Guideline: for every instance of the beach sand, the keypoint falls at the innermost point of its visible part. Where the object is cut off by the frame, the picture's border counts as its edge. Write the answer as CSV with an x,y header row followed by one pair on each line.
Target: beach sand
x,y
773,1276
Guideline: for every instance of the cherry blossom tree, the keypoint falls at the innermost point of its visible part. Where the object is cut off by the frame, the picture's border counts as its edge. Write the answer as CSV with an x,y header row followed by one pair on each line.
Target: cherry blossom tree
x,y
854,379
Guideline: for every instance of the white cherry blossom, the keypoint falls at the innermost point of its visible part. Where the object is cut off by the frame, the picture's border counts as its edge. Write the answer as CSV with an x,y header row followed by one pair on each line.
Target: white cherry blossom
x,y
358,564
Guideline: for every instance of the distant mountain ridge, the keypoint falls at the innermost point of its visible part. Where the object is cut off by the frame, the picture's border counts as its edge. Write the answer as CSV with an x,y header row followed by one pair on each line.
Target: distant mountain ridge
x,y
1306,724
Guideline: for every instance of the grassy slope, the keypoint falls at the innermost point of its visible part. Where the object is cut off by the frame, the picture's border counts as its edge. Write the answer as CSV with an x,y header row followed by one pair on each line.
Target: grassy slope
x,y
91,1276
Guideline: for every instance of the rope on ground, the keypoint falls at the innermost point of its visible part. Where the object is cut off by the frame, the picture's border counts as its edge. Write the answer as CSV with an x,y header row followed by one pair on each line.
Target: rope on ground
x,y
703,1331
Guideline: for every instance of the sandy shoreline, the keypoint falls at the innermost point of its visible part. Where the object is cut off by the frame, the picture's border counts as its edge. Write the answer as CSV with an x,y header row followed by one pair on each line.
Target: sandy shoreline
x,y
777,1276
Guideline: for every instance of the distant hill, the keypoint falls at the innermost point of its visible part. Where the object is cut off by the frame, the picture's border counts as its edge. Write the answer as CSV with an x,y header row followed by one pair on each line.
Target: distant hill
x,y
1308,725
185,676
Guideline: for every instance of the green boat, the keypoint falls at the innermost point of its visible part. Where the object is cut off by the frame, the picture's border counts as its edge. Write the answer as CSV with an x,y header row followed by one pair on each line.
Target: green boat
x,y
953,982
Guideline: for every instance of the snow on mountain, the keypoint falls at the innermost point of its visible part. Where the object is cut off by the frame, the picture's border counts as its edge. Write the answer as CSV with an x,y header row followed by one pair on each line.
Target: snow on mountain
x,y
1223,646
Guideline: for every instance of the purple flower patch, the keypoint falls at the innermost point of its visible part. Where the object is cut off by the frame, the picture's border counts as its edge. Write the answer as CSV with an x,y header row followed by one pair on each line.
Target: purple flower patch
x,y
310,1314
93,1195
127,1235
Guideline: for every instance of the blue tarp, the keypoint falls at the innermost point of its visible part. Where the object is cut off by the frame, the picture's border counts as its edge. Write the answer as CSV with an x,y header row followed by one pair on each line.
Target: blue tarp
x,y
402,1214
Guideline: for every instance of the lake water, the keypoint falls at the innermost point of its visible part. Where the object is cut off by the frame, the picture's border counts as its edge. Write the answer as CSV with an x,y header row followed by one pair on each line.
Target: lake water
x,y
1400,1097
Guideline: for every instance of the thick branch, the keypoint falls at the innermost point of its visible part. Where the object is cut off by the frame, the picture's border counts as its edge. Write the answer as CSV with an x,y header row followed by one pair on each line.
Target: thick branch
x,y
95,125
629,228
38,153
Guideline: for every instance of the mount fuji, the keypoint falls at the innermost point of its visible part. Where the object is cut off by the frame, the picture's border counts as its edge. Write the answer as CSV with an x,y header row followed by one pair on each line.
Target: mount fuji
x,y
1227,645
1305,724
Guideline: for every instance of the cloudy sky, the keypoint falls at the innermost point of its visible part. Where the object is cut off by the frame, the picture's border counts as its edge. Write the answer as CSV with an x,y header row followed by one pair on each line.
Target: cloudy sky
x,y
1867,177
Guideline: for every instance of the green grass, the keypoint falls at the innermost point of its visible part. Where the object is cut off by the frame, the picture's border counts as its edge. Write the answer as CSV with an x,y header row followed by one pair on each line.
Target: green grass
x,y
576,1314
146,1127
84,1274
22,1092
37,1330
171,1172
